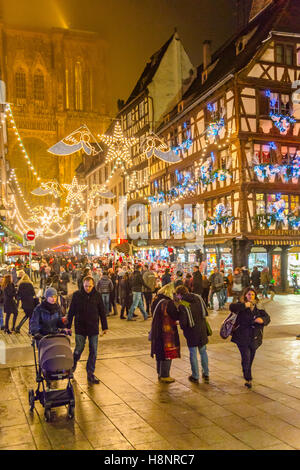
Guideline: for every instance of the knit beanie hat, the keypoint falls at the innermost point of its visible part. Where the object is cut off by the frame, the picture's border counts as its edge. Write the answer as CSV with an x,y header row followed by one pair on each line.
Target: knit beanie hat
x,y
50,292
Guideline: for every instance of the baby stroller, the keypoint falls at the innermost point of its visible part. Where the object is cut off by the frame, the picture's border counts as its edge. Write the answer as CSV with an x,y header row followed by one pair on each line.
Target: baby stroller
x,y
55,363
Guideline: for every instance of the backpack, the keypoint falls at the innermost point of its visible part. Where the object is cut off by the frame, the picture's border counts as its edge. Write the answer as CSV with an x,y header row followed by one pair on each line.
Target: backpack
x,y
150,280
228,325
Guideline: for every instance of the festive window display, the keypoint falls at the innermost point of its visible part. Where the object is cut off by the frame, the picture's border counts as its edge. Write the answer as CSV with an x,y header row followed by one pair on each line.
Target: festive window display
x,y
280,112
222,217
276,213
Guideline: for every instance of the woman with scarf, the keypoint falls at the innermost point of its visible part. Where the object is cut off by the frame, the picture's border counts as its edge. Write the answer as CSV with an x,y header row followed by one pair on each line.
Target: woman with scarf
x,y
248,330
165,345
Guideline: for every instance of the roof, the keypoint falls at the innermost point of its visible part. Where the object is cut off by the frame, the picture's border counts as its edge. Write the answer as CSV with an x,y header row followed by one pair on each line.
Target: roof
x,y
149,71
280,16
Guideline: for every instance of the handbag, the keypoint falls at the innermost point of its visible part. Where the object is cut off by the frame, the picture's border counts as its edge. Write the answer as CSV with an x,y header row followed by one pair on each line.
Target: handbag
x,y
208,328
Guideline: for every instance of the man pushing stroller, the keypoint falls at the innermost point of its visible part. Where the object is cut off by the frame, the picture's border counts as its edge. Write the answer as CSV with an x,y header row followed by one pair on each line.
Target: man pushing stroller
x,y
87,307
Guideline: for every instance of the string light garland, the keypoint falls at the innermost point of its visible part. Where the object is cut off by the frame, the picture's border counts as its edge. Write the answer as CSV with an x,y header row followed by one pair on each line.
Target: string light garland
x,y
20,142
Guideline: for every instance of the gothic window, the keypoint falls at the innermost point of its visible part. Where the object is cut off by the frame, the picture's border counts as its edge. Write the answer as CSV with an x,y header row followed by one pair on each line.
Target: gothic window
x,y
38,86
67,96
78,87
20,83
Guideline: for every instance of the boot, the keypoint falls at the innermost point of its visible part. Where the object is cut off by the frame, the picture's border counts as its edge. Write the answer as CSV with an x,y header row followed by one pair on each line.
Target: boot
x,y
92,379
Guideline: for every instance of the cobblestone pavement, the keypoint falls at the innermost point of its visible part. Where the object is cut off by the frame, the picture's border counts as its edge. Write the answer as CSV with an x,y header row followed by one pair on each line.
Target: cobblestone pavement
x,y
130,409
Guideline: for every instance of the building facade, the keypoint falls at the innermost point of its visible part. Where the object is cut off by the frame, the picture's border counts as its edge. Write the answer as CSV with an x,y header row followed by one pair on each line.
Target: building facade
x,y
56,81
242,119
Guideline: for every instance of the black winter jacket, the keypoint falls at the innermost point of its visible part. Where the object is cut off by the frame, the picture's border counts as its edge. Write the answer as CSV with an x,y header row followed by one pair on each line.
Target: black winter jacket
x,y
196,335
87,309
157,338
9,304
46,319
26,294
246,331
197,282
136,282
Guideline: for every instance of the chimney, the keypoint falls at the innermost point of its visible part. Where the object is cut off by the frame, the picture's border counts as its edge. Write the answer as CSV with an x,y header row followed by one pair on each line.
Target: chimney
x,y
206,54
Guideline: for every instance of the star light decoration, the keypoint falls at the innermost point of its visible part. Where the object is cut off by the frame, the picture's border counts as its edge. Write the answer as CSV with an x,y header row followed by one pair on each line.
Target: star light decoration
x,y
119,148
75,191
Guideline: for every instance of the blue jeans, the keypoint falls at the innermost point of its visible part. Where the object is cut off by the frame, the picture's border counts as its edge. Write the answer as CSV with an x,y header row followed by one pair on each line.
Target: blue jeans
x,y
1,317
79,347
137,302
194,361
105,298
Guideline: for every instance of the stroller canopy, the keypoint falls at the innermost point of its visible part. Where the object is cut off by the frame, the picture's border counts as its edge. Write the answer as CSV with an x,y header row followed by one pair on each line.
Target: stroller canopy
x,y
55,354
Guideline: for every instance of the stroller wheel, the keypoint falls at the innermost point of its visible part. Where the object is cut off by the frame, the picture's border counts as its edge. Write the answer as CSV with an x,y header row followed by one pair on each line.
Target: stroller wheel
x,y
47,415
31,399
71,411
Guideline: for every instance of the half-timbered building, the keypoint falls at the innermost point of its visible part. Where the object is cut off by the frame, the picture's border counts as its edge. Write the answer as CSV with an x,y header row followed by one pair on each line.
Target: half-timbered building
x,y
237,129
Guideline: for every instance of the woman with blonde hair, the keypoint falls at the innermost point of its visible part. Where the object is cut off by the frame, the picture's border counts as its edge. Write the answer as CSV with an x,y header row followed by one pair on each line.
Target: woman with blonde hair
x,y
28,299
9,304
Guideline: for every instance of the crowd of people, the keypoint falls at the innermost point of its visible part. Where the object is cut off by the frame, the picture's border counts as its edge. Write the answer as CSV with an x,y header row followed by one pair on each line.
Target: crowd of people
x,y
171,294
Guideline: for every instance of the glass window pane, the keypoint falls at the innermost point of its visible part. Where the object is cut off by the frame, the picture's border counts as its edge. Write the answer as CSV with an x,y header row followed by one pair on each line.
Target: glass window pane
x,y
289,53
279,54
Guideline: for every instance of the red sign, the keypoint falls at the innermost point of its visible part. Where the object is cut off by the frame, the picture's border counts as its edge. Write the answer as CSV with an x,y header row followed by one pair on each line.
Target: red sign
x,y
30,235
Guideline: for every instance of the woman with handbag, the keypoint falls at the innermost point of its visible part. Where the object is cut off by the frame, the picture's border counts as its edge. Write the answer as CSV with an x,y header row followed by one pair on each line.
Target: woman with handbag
x,y
165,344
29,301
192,319
248,330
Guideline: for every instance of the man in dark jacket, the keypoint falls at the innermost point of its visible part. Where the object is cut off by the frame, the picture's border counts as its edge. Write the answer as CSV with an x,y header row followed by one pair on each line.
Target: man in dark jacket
x,y
192,313
64,280
137,284
105,287
87,306
255,278
197,281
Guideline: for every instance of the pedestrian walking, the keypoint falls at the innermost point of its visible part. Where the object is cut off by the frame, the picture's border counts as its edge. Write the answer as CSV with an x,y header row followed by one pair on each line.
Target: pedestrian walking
x,y
245,278
137,285
87,308
205,289
9,302
166,278
265,280
26,294
188,282
216,285
197,281
192,314
150,285
105,287
255,278
125,295
113,294
237,284
165,344
248,330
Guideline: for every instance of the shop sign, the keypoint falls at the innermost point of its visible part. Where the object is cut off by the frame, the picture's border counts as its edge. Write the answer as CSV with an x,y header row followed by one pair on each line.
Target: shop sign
x,y
277,232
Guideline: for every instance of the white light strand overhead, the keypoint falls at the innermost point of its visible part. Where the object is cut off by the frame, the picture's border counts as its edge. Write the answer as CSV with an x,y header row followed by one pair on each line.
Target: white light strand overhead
x,y
20,142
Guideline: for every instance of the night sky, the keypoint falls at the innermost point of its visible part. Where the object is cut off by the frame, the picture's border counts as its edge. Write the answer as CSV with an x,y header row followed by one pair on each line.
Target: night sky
x,y
133,29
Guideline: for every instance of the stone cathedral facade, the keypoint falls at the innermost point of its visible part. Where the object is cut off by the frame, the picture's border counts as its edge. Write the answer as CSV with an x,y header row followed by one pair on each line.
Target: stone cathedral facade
x,y
56,81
